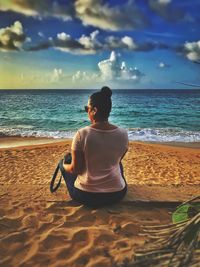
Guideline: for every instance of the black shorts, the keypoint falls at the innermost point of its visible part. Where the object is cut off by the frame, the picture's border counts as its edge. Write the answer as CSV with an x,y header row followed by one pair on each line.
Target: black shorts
x,y
93,199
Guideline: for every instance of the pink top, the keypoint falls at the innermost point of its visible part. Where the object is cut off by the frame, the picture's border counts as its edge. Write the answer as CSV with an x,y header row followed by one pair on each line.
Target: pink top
x,y
103,150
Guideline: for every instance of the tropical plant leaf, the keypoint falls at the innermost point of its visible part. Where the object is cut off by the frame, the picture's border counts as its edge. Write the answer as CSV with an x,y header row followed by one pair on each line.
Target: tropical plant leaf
x,y
185,212
173,245
191,234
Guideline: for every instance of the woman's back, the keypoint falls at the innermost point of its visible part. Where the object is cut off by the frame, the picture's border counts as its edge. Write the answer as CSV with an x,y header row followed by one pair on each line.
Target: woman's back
x,y
103,150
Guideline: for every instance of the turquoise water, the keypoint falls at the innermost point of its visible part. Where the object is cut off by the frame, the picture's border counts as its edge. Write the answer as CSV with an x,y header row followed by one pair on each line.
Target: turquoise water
x,y
148,115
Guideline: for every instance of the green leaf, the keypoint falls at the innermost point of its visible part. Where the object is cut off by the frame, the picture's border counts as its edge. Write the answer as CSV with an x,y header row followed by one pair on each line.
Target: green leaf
x,y
185,212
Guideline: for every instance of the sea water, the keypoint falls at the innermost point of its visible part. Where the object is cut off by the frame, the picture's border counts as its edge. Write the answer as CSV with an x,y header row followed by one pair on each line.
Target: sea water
x,y
148,115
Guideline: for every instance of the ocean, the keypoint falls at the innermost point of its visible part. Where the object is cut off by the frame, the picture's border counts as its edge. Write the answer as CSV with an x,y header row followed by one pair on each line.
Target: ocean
x,y
148,115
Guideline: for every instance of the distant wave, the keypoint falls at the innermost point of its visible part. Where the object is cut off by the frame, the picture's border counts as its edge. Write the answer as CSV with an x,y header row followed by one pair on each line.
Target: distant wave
x,y
163,135
36,133
136,134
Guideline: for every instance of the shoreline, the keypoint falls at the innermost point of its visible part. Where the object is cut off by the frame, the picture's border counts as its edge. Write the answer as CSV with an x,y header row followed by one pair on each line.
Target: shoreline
x,y
18,141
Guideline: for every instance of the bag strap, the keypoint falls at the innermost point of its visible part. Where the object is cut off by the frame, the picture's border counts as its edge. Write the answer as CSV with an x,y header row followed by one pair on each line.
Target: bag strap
x,y
67,159
52,188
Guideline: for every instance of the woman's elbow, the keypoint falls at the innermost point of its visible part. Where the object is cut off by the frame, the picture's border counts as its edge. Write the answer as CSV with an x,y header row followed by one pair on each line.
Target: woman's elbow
x,y
78,170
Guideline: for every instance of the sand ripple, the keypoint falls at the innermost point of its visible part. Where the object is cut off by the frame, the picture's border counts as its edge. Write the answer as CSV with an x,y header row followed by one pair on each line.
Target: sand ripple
x,y
38,228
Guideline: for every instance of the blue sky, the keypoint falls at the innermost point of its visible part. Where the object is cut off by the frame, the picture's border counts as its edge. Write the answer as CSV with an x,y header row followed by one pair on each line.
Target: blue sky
x,y
90,43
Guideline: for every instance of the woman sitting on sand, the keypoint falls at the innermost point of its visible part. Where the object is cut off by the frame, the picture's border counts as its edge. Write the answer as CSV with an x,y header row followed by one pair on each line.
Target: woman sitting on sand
x,y
95,174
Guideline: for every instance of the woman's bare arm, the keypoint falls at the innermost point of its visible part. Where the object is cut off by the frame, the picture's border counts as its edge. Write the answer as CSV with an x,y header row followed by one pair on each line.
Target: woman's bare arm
x,y
78,163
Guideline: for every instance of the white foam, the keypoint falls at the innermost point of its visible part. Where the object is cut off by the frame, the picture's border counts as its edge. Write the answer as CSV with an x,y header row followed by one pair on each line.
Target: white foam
x,y
163,135
36,133
135,134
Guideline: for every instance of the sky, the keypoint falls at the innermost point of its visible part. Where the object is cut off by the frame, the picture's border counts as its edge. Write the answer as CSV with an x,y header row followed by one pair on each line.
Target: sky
x,y
65,44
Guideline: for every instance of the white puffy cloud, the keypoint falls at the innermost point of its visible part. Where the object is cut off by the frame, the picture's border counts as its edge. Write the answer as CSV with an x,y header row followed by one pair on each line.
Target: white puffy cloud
x,y
163,65
28,39
164,2
129,42
12,38
63,36
41,34
192,50
84,76
65,43
90,12
130,73
91,44
39,8
57,75
111,71
110,68
98,14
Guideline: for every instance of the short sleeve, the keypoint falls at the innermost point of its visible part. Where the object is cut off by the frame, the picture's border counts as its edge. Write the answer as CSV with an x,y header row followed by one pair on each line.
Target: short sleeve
x,y
127,140
76,142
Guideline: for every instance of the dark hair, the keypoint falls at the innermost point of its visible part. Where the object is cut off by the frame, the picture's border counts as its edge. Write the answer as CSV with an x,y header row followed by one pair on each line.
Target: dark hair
x,y
102,101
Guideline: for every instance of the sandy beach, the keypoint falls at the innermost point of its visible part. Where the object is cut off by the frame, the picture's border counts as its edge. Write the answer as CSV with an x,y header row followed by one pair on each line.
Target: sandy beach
x,y
38,228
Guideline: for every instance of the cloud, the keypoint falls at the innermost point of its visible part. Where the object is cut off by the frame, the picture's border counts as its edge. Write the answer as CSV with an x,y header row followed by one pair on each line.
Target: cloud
x,y
192,50
164,34
41,34
84,76
91,12
112,71
163,65
95,13
40,46
128,43
39,8
12,38
110,68
91,44
164,9
28,39
57,75
63,42
66,43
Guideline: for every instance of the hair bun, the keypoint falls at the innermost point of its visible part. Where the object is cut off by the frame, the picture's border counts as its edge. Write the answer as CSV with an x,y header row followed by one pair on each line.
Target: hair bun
x,y
105,90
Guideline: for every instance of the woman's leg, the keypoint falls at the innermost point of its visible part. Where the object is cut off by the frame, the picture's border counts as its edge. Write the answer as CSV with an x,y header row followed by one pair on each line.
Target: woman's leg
x,y
70,180
96,200
93,199
68,177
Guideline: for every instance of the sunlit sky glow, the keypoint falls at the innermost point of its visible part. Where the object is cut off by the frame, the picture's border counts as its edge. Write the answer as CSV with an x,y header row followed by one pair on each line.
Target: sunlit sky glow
x,y
89,43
